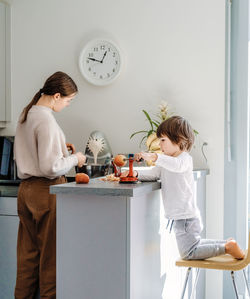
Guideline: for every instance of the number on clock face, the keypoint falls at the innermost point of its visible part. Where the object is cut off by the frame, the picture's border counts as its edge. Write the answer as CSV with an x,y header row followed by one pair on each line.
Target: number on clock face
x,y
100,62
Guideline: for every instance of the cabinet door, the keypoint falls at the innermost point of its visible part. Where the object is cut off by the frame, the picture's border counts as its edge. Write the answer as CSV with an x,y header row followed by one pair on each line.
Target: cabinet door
x,y
8,241
2,60
9,222
5,89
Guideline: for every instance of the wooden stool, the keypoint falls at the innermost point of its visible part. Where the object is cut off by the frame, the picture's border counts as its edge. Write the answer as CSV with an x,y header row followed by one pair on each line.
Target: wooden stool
x,y
221,262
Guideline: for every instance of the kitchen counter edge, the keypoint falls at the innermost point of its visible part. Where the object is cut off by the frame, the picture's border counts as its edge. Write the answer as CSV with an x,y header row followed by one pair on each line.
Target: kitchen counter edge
x,y
102,188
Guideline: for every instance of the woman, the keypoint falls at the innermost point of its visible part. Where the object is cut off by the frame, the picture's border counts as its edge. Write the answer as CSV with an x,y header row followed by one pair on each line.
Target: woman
x,y
42,160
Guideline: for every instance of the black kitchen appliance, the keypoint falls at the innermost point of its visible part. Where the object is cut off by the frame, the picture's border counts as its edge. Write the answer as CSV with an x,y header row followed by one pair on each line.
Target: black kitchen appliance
x,y
8,170
94,171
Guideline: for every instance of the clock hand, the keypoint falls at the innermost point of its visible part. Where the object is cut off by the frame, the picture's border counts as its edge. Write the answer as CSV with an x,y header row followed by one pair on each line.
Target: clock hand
x,y
103,56
94,59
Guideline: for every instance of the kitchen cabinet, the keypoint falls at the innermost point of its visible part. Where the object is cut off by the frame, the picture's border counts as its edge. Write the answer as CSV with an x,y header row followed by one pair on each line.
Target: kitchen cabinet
x,y
8,237
107,240
5,96
9,222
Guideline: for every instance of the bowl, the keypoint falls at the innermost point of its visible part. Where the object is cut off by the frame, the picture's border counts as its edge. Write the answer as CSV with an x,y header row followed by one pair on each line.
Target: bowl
x,y
95,170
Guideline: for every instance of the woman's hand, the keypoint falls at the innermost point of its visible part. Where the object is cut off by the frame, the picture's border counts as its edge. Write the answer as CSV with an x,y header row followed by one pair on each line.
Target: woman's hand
x,y
71,148
81,159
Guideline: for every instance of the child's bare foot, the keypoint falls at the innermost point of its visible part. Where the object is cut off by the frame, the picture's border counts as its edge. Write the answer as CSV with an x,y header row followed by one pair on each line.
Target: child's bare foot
x,y
233,248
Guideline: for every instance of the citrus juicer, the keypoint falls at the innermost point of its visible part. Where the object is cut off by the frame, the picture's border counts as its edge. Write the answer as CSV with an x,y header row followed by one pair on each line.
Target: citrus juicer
x,y
98,156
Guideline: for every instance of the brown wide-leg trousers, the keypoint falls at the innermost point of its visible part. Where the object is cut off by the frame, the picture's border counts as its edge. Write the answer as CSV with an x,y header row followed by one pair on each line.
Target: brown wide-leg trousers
x,y
36,243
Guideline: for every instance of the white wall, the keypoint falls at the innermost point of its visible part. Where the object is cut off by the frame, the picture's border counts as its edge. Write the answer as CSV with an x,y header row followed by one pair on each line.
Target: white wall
x,y
175,50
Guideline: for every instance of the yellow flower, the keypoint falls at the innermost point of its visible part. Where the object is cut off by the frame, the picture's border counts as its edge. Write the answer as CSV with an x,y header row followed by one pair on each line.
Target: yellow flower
x,y
153,143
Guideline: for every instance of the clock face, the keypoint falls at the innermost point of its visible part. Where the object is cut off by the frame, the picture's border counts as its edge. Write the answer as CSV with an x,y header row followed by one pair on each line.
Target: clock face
x,y
100,62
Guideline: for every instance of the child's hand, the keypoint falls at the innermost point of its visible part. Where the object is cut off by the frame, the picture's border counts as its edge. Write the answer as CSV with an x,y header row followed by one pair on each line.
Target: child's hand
x,y
138,157
149,156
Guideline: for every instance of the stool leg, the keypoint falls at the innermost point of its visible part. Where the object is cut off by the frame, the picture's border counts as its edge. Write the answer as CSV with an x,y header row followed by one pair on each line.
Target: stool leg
x,y
234,284
195,283
246,282
185,283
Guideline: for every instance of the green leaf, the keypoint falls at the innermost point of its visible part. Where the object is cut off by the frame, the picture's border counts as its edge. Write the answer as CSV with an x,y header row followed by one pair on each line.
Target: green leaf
x,y
142,141
150,132
155,123
148,117
138,132
195,132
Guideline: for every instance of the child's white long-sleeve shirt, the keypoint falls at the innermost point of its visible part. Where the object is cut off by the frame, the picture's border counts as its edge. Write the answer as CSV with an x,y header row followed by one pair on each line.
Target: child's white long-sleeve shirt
x,y
177,185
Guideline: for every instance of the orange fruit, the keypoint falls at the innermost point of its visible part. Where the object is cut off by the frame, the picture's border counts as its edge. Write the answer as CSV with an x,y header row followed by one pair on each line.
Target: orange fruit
x,y
82,178
120,160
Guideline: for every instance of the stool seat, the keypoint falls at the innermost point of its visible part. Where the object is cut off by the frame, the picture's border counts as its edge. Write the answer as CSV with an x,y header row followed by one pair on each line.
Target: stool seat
x,y
220,262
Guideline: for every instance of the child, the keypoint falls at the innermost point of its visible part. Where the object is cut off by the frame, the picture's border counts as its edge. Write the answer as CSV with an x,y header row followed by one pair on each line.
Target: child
x,y
175,169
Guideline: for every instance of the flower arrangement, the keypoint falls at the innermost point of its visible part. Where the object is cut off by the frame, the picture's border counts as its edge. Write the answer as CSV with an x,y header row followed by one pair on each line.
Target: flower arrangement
x,y
152,142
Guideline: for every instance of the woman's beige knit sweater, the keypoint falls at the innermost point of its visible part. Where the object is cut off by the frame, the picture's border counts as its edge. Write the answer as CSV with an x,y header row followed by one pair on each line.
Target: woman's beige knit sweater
x,y
40,149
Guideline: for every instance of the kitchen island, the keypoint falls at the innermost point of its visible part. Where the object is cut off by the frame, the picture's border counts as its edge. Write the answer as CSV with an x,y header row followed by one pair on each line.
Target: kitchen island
x,y
108,240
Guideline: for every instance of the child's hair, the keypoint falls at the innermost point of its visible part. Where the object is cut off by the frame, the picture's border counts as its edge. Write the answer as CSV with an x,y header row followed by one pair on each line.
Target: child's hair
x,y
59,82
178,130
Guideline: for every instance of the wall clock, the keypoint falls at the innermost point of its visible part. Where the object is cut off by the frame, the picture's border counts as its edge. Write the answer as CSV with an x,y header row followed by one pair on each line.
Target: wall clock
x,y
100,61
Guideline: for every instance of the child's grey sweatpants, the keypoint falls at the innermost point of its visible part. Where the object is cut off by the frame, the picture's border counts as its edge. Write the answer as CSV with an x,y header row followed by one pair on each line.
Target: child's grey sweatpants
x,y
190,244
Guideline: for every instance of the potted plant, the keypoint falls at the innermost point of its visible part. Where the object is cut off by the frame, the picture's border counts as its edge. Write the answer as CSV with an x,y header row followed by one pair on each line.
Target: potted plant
x,y
149,136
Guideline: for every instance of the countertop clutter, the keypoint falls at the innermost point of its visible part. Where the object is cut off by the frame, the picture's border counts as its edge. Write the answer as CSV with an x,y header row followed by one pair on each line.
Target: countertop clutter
x,y
9,188
101,188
